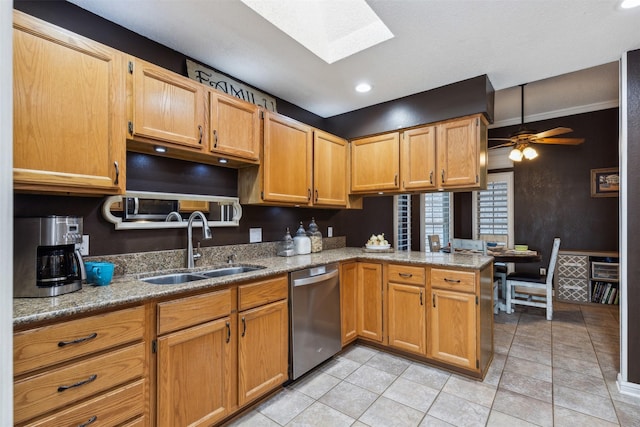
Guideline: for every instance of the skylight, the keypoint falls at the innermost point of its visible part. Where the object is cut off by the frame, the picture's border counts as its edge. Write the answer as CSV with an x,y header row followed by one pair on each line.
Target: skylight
x,y
331,29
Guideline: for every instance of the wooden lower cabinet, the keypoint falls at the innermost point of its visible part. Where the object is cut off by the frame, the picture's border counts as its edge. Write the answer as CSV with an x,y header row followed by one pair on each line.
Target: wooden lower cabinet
x,y
88,370
369,301
263,346
349,301
406,308
193,376
452,327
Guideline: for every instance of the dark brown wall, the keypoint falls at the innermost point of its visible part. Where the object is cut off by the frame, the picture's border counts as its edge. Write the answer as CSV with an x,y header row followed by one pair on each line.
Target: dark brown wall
x,y
633,219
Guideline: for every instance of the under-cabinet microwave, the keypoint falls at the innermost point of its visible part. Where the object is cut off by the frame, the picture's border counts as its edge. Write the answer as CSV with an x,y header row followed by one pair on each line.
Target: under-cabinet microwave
x,y
147,209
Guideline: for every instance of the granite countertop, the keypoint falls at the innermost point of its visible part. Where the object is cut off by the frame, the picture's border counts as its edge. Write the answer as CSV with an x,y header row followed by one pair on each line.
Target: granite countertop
x,y
129,288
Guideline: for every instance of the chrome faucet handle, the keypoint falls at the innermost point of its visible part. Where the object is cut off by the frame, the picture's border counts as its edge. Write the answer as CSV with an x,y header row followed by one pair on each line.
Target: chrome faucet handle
x,y
197,253
231,259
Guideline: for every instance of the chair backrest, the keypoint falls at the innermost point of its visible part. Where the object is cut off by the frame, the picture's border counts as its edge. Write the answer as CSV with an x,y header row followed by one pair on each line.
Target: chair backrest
x,y
469,245
552,260
434,243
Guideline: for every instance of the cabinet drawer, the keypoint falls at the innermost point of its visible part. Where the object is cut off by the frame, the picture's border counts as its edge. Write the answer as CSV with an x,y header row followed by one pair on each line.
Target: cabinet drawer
x,y
406,274
573,266
46,346
464,281
185,312
42,393
263,292
110,408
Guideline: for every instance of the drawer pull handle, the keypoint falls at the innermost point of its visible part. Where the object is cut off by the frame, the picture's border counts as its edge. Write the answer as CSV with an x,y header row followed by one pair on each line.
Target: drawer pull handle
x,y
89,421
78,341
433,299
244,326
78,384
421,303
431,177
115,181
452,280
200,134
405,274
228,332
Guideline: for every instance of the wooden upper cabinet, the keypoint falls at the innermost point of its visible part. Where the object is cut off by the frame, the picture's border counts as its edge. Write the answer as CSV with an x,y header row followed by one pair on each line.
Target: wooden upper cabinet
x,y
375,163
287,163
166,107
462,153
329,170
68,111
234,127
418,158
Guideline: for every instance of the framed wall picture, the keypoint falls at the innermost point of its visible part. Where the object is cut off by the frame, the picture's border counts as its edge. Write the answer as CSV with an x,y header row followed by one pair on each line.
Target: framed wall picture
x,y
605,182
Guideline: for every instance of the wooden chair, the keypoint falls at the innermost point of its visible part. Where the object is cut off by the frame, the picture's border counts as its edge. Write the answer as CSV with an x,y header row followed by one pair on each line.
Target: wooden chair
x,y
533,289
500,270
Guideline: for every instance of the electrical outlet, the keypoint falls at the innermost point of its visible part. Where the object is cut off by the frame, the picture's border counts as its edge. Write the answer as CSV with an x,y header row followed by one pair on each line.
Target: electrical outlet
x,y
543,271
84,247
329,231
255,235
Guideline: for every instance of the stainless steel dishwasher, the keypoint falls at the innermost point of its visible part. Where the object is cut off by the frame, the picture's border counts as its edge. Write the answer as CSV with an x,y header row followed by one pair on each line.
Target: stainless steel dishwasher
x,y
315,317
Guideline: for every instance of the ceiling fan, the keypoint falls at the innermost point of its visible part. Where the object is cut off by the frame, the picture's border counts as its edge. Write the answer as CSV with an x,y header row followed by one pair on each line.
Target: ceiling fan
x,y
522,139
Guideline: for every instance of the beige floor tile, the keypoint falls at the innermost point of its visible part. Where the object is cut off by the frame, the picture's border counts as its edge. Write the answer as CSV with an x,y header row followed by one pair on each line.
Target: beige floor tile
x,y
340,367
470,390
628,415
587,367
349,399
319,415
429,421
564,417
532,342
389,413
495,369
426,375
371,379
499,419
531,354
586,403
315,384
523,407
458,411
583,352
579,381
528,368
414,395
253,419
389,363
359,353
285,406
528,386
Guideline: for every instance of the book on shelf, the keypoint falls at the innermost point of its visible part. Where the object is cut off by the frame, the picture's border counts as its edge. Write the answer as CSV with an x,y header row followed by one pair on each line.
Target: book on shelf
x,y
604,293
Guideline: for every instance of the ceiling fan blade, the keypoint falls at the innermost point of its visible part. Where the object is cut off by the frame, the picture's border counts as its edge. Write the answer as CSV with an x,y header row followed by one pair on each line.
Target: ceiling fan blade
x,y
502,145
501,139
552,132
560,141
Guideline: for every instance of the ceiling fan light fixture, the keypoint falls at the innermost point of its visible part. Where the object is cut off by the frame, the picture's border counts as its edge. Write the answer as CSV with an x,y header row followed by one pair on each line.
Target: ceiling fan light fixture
x,y
529,153
515,155
629,4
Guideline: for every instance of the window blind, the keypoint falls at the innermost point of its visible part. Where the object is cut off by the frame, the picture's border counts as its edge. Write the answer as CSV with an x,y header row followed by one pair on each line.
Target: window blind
x,y
493,209
437,214
403,212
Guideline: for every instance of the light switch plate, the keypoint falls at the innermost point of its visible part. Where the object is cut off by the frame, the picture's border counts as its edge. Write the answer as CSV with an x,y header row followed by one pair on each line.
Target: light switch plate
x,y
255,235
329,231
84,247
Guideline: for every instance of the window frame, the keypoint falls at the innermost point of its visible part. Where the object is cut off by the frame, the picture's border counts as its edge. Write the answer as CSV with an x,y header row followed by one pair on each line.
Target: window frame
x,y
507,177
423,237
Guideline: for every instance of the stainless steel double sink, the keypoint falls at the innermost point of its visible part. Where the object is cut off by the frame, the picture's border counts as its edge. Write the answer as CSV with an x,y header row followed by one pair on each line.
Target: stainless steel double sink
x,y
179,278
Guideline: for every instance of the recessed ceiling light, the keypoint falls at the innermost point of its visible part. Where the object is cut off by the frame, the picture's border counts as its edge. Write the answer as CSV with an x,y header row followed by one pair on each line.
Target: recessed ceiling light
x,y
629,4
159,149
363,87
331,29
223,161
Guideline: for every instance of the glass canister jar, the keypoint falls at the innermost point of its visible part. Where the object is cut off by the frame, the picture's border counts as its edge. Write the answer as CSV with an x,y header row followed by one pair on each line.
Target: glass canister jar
x,y
302,242
285,246
315,235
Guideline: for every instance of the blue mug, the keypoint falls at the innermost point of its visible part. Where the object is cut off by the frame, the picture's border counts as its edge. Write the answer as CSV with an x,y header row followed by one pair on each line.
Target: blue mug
x,y
99,273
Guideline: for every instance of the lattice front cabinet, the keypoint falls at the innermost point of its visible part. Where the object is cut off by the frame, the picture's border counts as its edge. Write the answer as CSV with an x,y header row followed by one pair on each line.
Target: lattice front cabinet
x,y
572,279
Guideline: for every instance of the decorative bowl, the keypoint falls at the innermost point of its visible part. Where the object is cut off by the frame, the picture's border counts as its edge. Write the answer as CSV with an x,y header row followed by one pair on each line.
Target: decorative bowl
x,y
378,247
521,247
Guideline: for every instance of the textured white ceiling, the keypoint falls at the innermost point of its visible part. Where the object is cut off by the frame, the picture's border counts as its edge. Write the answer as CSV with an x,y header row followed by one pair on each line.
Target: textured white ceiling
x,y
437,42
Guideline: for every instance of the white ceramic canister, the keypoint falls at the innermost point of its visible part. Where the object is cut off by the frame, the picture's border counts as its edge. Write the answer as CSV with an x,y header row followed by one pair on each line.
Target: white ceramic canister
x,y
302,242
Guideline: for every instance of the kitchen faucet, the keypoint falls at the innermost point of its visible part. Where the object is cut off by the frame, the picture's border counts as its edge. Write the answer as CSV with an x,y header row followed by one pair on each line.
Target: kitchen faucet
x,y
206,234
173,215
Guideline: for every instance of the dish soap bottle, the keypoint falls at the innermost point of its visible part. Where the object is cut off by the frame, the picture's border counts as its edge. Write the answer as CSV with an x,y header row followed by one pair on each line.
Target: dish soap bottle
x,y
315,235
302,242
285,246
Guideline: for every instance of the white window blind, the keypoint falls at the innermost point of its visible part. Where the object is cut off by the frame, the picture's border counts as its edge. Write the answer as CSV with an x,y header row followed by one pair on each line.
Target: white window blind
x,y
437,217
403,222
493,209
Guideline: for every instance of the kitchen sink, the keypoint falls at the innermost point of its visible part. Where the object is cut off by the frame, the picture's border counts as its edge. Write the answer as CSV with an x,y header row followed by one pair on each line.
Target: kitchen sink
x,y
226,271
178,278
173,279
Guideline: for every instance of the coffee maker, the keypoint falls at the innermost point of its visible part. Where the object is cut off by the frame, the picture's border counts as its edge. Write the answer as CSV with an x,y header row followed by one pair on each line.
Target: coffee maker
x,y
46,258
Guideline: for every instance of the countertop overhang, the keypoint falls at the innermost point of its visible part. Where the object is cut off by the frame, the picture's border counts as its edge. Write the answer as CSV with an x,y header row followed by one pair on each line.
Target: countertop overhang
x,y
130,289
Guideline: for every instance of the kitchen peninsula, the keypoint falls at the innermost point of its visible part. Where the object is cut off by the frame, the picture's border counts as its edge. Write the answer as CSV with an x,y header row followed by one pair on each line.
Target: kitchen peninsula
x,y
447,300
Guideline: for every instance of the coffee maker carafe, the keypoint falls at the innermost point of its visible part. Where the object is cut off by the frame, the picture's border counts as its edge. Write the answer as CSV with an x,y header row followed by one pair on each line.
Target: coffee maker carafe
x,y
46,261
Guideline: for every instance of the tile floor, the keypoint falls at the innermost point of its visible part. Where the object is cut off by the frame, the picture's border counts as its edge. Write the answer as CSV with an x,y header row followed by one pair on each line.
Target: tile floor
x,y
559,373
